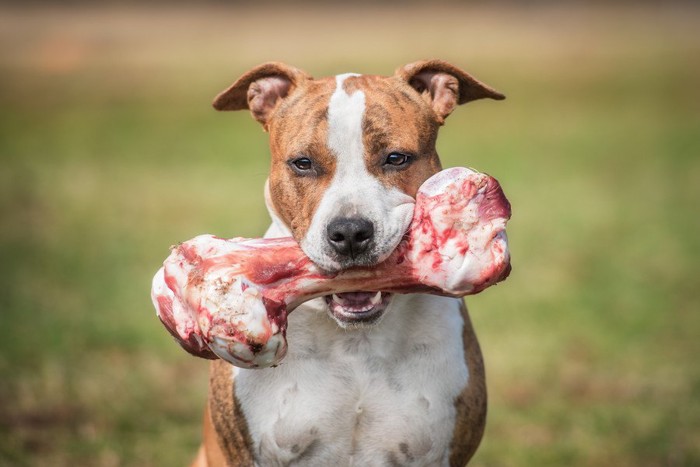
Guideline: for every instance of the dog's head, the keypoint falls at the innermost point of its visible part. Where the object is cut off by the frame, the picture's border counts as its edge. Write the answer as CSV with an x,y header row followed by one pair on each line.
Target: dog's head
x,y
349,153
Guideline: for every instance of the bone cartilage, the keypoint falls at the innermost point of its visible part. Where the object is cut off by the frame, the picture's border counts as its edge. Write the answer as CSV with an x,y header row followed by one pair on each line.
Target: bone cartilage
x,y
229,298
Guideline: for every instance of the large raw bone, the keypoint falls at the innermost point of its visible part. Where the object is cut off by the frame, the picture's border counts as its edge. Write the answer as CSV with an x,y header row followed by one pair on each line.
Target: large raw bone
x,y
229,298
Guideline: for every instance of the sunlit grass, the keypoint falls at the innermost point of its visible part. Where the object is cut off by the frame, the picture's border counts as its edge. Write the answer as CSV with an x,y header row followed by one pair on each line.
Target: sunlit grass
x,y
111,153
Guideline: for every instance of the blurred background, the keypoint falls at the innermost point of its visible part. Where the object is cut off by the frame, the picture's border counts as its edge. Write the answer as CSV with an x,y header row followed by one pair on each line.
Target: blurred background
x,y
110,152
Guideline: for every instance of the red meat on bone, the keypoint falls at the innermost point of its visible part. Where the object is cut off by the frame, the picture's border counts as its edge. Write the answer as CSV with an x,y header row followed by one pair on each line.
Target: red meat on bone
x,y
229,298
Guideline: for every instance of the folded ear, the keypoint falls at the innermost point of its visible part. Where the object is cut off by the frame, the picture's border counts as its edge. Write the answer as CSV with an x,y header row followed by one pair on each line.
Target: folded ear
x,y
444,86
260,90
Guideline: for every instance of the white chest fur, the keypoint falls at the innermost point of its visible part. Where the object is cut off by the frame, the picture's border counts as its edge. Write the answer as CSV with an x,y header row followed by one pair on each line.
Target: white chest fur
x,y
377,396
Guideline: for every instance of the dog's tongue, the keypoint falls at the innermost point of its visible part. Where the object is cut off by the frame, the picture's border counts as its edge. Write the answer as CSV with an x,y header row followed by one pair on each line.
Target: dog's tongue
x,y
357,300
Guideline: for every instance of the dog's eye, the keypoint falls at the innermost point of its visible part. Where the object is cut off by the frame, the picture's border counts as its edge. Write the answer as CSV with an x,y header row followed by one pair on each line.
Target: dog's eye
x,y
396,159
302,164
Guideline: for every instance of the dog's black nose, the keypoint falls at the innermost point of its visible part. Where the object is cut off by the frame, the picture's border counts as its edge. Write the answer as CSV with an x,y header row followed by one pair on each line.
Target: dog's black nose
x,y
350,236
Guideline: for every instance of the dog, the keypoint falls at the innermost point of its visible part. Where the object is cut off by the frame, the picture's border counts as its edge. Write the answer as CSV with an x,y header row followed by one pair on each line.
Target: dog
x,y
370,379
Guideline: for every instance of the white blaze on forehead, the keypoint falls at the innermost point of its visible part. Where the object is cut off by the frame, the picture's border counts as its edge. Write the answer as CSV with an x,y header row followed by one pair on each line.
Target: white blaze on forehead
x,y
353,189
345,113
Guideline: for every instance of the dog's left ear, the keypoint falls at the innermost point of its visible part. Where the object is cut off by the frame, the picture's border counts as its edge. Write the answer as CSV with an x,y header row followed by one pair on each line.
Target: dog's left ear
x,y
260,90
444,86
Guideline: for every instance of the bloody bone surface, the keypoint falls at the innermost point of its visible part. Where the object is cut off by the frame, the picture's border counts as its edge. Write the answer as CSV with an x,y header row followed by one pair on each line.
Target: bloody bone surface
x,y
230,298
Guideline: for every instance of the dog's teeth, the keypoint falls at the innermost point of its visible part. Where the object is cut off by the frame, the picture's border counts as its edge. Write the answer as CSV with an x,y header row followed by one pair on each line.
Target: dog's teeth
x,y
376,299
338,299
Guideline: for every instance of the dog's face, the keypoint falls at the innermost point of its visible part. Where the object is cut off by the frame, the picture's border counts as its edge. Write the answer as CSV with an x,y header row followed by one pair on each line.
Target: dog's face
x,y
348,155
347,160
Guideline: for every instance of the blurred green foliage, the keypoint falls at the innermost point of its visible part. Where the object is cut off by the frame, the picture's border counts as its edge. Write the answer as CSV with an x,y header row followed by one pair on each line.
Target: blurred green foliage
x,y
111,152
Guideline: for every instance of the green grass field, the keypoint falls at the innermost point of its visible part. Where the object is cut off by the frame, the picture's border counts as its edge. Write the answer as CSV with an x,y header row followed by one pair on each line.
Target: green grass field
x,y
111,152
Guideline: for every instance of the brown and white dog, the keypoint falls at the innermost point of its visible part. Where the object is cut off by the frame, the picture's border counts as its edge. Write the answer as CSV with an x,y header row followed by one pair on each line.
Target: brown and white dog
x,y
369,379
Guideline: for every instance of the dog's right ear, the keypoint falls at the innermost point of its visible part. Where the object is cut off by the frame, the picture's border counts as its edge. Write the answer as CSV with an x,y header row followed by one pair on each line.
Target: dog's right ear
x,y
260,90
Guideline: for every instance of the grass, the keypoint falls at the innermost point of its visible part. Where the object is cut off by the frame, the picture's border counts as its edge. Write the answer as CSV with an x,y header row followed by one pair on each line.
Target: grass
x,y
110,153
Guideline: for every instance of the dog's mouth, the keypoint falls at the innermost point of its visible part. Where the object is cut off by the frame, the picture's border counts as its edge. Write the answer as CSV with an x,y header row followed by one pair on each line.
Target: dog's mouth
x,y
357,307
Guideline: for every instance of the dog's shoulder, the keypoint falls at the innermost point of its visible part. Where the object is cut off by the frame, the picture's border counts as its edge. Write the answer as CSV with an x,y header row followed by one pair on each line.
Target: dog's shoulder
x,y
226,440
